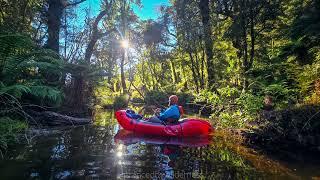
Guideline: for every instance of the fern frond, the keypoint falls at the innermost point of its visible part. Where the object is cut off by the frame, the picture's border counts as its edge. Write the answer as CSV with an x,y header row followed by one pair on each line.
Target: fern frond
x,y
46,92
16,90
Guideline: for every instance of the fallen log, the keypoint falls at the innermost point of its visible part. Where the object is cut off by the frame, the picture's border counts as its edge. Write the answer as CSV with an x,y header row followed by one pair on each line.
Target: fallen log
x,y
50,118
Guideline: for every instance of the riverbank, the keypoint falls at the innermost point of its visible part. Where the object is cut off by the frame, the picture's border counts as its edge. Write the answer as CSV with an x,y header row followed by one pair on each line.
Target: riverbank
x,y
294,128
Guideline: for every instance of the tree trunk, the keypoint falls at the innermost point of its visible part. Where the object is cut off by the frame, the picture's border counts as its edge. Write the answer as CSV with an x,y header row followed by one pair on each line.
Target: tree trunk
x,y
94,36
123,78
198,69
244,47
194,74
55,119
76,93
183,74
252,33
245,58
123,30
55,12
65,35
202,69
205,16
153,83
83,86
173,72
143,72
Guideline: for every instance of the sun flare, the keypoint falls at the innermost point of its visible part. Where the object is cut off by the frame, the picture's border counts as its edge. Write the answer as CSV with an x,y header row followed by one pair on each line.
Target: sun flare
x,y
125,43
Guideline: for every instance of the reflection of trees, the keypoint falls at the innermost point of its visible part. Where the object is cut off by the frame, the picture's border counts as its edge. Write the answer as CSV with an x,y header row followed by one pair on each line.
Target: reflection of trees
x,y
94,150
141,158
208,161
89,150
82,151
215,163
104,118
226,158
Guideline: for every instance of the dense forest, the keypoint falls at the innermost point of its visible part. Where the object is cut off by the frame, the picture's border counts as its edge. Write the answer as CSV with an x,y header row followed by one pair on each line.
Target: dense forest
x,y
247,63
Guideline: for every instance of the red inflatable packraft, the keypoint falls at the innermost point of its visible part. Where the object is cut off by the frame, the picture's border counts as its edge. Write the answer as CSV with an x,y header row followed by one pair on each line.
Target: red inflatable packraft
x,y
184,128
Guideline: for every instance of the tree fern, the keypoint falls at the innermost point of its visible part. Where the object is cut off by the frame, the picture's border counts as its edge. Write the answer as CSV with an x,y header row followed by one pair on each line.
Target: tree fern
x,y
47,93
29,70
16,90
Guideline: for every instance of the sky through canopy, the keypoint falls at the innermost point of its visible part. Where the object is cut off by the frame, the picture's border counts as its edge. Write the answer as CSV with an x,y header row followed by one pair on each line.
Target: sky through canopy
x,y
149,9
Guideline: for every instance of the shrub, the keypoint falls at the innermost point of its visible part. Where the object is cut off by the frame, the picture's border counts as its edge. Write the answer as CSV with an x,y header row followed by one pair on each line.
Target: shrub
x,y
250,104
120,102
184,98
161,97
29,72
156,97
103,94
281,94
231,108
229,92
8,132
231,119
208,97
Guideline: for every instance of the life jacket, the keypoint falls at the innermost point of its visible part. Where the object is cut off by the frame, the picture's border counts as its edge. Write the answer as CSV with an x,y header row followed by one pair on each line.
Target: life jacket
x,y
173,120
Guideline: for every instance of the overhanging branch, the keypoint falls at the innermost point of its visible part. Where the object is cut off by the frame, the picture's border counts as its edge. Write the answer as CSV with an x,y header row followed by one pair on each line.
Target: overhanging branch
x,y
74,3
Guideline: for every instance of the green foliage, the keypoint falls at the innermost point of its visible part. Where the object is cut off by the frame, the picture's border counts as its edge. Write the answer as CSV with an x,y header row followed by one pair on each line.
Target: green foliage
x,y
104,118
39,92
184,97
281,94
16,15
8,132
209,97
51,94
27,70
229,92
161,97
231,108
156,97
120,102
104,95
250,104
230,120
310,73
28,74
16,90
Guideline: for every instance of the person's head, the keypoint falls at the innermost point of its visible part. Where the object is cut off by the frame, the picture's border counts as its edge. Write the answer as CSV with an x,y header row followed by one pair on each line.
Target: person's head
x,y
173,99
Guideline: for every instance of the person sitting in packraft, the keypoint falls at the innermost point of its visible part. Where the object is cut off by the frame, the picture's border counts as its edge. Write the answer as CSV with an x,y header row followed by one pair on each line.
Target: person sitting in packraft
x,y
169,115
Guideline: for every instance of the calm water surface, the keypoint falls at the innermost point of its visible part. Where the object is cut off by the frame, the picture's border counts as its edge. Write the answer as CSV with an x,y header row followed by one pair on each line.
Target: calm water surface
x,y
102,151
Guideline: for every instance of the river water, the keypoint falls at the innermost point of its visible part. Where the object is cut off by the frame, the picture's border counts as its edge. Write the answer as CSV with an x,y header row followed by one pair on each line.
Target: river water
x,y
103,151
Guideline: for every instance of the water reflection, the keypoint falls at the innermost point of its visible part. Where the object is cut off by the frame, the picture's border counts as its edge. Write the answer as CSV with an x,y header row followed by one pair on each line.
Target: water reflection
x,y
103,152
127,137
162,151
193,158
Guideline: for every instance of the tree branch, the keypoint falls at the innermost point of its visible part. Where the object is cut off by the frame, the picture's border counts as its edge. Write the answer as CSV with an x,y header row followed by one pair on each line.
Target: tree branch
x,y
67,4
95,33
107,32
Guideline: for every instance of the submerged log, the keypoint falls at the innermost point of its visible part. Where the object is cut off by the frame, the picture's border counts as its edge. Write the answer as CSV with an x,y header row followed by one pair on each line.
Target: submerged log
x,y
55,119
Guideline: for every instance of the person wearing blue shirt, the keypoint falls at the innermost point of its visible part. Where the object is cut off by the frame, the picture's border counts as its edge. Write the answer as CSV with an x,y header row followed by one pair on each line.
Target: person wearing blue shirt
x,y
171,114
